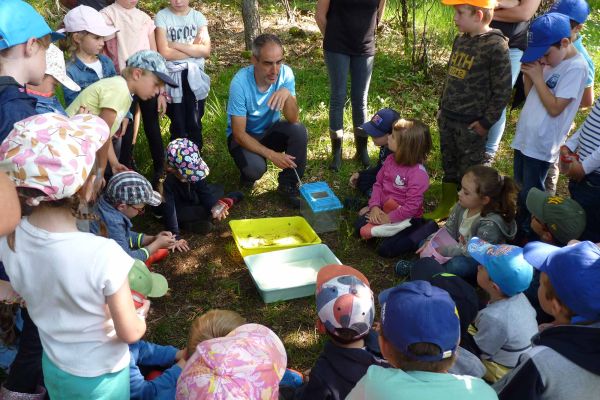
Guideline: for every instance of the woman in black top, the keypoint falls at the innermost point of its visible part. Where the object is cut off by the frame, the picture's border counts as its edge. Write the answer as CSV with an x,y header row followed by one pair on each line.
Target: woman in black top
x,y
348,28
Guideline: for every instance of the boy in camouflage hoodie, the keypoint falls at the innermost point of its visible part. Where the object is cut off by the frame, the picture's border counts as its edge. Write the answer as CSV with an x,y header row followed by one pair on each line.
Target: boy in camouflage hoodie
x,y
476,90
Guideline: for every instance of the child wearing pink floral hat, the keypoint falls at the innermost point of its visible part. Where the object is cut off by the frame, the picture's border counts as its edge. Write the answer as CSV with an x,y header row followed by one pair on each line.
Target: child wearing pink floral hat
x,y
189,202
247,364
72,282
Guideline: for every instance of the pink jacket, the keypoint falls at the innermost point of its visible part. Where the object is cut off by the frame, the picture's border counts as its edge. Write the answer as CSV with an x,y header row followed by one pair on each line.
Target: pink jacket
x,y
402,184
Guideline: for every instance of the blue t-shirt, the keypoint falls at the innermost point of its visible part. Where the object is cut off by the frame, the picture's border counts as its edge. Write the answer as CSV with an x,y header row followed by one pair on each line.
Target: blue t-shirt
x,y
245,100
591,68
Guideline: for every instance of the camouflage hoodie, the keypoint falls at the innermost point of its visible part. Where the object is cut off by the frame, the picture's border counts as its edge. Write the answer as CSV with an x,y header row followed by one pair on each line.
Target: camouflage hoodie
x,y
478,85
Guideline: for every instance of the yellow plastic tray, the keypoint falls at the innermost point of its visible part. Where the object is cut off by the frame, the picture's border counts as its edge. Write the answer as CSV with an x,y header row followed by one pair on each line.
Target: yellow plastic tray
x,y
261,235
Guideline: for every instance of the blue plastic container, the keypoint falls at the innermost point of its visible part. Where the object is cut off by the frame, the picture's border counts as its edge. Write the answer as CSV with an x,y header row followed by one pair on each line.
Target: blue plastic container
x,y
320,206
289,274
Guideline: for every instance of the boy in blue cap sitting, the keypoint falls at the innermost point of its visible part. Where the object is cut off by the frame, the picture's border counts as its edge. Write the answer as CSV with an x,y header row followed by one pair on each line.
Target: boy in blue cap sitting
x,y
419,336
505,325
563,363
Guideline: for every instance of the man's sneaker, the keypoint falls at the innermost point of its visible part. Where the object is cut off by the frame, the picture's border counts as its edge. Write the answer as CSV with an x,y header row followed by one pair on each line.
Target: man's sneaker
x,y
290,194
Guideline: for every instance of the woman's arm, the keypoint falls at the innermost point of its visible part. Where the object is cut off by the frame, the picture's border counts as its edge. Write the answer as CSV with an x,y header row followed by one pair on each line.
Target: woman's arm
x,y
521,13
321,14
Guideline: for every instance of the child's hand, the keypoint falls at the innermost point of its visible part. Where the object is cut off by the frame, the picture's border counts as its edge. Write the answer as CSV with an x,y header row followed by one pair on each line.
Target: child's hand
x,y
374,215
533,70
478,129
164,241
422,248
364,211
142,312
118,168
162,104
181,354
121,132
353,180
83,110
220,211
180,245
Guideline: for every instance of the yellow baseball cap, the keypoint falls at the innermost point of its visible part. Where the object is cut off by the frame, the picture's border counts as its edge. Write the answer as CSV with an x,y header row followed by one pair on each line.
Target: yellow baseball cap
x,y
476,3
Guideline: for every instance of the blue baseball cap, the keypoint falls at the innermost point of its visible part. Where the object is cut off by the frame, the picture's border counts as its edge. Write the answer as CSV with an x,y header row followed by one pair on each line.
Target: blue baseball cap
x,y
417,312
504,263
574,272
545,31
577,10
19,22
381,123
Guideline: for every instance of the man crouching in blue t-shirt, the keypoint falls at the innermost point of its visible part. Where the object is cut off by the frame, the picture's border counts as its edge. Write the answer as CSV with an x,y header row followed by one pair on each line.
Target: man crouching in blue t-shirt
x,y
258,95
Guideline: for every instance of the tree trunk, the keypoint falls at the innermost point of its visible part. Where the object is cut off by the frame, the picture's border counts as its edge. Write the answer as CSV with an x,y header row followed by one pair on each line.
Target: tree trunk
x,y
251,21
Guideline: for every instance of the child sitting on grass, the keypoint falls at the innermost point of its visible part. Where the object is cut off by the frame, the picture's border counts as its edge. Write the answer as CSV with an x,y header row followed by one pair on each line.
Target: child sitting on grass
x,y
189,201
126,195
486,208
252,355
557,221
397,195
419,336
379,127
504,327
345,358
56,74
563,363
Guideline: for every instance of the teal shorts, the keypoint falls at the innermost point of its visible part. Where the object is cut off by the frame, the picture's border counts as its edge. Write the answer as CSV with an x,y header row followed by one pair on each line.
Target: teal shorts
x,y
62,385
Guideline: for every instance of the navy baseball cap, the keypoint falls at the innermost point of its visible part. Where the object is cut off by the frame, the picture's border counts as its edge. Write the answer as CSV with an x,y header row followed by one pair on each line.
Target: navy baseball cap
x,y
417,312
545,31
19,22
577,10
574,272
504,263
381,123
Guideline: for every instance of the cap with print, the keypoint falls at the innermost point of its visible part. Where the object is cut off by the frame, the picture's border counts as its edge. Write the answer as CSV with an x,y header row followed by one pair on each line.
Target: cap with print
x,y
577,10
84,18
544,32
129,187
574,272
184,156
563,217
55,67
152,61
417,312
381,123
19,22
52,153
344,300
504,263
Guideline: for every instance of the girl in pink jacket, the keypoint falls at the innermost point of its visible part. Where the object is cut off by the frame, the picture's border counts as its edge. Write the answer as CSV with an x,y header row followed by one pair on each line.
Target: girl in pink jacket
x,y
401,183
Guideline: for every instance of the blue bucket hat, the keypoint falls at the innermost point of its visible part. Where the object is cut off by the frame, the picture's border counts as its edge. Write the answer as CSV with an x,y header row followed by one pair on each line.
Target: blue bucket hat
x,y
417,312
574,272
504,263
545,31
19,22
577,10
152,61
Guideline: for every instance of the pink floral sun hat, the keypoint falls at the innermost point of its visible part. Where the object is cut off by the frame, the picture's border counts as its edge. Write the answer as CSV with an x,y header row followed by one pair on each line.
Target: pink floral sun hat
x,y
52,153
247,364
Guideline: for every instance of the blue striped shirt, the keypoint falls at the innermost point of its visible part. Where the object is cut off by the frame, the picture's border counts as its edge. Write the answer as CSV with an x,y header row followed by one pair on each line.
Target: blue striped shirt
x,y
586,141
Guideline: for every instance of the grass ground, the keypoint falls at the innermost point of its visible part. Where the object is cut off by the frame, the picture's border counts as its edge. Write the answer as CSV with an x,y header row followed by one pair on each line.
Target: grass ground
x,y
212,274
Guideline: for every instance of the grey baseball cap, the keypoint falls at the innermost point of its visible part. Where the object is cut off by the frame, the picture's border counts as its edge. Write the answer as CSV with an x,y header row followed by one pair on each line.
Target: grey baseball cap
x,y
152,61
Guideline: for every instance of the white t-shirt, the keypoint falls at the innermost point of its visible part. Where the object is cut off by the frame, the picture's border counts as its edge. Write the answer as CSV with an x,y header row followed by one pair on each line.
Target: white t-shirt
x,y
65,278
97,67
539,135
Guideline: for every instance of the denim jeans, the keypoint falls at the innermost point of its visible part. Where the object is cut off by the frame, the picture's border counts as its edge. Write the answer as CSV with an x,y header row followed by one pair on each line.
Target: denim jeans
x,y
529,173
463,266
360,68
587,194
496,131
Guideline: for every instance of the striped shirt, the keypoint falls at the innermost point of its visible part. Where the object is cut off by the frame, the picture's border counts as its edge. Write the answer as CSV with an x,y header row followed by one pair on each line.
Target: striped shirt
x,y
586,141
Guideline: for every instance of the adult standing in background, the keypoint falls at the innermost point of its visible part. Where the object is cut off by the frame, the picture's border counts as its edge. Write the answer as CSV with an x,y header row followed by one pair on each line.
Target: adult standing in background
x,y
348,28
512,18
